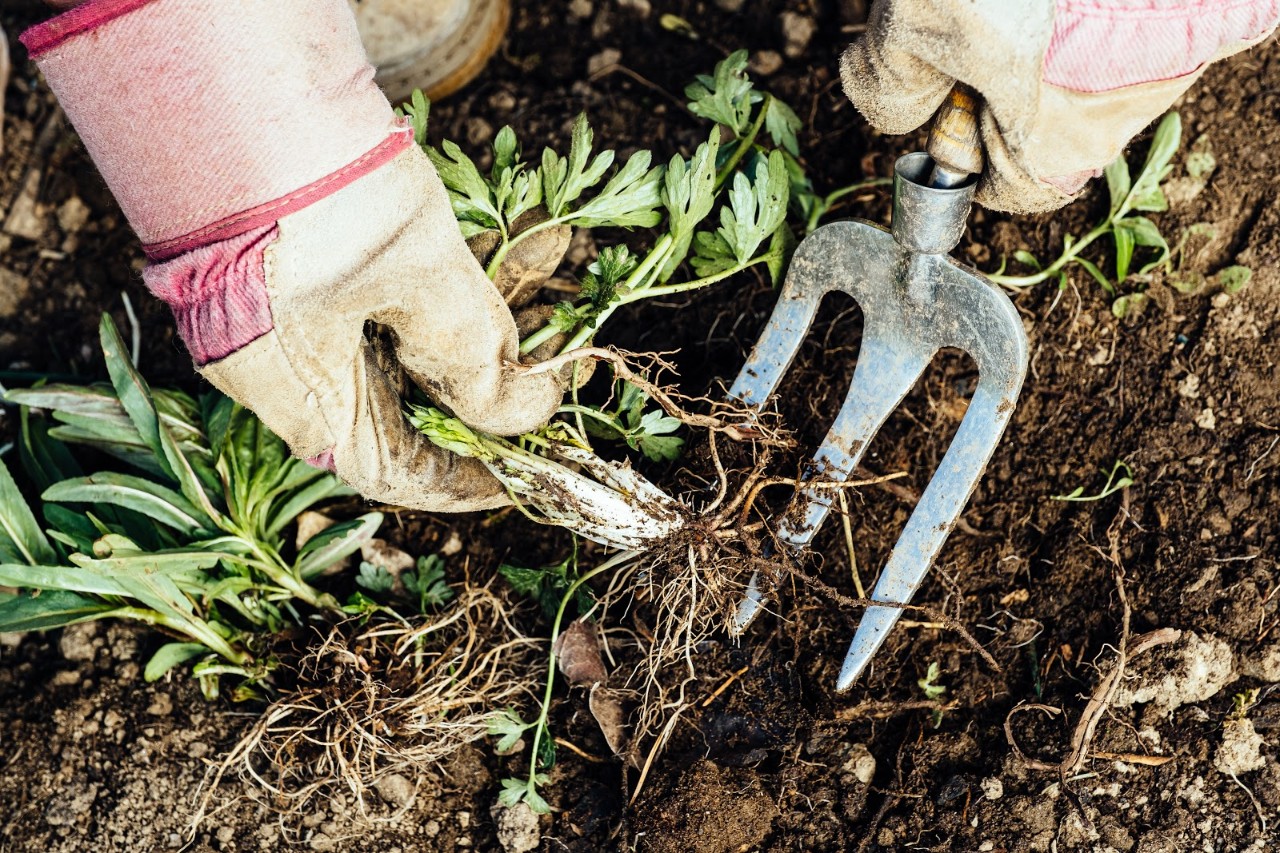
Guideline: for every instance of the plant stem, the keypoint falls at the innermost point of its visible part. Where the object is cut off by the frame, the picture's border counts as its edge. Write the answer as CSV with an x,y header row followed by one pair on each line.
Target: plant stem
x,y
829,201
1053,269
539,725
744,144
199,632
508,243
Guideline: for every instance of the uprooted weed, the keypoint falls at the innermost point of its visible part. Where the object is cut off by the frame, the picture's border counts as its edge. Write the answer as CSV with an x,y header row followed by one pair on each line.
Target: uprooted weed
x,y
381,698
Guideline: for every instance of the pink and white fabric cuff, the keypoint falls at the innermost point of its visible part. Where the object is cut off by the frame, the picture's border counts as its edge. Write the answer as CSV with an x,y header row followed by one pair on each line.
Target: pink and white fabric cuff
x,y
208,119
1102,45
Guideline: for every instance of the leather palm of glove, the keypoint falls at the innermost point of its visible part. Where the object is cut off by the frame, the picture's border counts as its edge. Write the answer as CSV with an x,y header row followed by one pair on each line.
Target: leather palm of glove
x,y
1066,83
284,207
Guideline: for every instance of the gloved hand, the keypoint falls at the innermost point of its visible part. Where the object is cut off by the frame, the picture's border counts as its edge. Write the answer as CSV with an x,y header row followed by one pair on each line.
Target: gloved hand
x,y
283,207
1066,83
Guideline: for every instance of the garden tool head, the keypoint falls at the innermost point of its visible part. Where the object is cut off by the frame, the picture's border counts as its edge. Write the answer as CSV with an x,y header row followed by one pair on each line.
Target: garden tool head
x,y
915,301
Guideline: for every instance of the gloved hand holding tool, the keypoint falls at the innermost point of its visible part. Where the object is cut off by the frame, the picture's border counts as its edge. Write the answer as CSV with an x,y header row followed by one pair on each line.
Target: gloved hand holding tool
x,y
1065,84
283,207
1061,88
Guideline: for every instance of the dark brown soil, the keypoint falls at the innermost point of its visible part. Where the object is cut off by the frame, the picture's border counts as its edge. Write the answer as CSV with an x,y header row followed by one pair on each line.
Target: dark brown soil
x,y
1186,392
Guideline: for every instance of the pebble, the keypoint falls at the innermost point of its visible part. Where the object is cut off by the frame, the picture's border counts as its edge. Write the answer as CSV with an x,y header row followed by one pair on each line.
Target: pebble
x,y
224,835
581,9
606,58
25,218
797,31
518,830
479,131
730,5
861,764
395,790
13,288
765,62
992,788
464,819
77,641
431,828
73,214
642,8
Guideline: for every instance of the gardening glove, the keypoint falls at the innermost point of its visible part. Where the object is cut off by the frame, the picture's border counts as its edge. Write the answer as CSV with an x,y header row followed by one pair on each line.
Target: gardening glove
x,y
283,207
1065,83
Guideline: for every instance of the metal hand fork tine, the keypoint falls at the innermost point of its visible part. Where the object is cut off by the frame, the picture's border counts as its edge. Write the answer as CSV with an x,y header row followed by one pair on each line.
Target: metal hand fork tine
x,y
915,301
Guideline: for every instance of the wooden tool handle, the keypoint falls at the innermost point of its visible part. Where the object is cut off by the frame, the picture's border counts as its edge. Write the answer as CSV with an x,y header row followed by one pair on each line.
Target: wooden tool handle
x,y
954,143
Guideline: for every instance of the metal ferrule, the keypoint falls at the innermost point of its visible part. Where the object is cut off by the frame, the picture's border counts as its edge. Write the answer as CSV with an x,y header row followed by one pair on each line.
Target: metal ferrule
x,y
927,219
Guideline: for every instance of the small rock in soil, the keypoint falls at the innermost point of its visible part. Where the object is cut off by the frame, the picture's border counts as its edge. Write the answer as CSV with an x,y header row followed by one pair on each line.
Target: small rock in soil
x,y
25,218
518,830
161,706
606,58
861,764
1192,670
395,790
1241,749
797,32
765,62
640,8
1263,664
13,288
992,788
581,9
730,5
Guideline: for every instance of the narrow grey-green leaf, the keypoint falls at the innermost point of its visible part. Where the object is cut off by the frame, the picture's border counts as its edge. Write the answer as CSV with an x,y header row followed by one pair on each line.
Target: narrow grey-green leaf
x,y
49,609
335,543
170,655
20,535
151,499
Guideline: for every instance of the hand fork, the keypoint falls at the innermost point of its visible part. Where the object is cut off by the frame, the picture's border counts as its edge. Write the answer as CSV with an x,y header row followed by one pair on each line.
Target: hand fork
x,y
915,301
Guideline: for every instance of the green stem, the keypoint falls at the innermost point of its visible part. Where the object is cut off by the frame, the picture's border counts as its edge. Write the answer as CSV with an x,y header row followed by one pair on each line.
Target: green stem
x,y
829,201
509,243
744,144
539,725
273,567
1053,269
638,282
199,632
684,286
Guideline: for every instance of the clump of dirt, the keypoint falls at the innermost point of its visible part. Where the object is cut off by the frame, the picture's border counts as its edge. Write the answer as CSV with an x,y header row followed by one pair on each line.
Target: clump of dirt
x,y
707,809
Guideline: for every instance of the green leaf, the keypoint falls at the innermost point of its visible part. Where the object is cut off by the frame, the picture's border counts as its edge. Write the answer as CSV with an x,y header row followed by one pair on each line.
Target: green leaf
x,y
1128,303
133,392
507,726
49,609
287,507
20,535
565,317
1185,281
1118,182
1152,199
513,792
1234,278
151,499
782,124
689,194
427,582
629,200
469,193
660,448
63,578
565,180
726,96
46,461
506,150
1124,250
1163,145
524,581
374,578
417,111
1093,270
1022,256
781,247
170,655
754,212
1200,164
335,543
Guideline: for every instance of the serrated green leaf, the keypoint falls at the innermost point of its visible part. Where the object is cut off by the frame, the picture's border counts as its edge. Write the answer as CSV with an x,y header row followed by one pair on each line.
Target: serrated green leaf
x,y
507,726
170,655
689,195
374,578
1200,164
565,317
49,609
513,792
1186,281
781,247
782,124
506,150
20,535
335,543
665,448
725,97
754,212
629,200
523,580
469,194
564,180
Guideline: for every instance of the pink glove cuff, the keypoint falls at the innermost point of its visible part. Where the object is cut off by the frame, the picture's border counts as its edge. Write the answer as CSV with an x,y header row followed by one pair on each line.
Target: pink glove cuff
x,y
1101,45
218,293
210,119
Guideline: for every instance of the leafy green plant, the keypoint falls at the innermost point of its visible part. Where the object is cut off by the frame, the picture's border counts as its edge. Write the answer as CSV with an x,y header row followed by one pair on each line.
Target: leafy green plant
x,y
191,541
625,419
1124,224
932,690
507,725
1115,482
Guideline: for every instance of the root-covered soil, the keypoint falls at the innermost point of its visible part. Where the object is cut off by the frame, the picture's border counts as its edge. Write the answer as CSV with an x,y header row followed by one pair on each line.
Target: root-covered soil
x,y
1122,739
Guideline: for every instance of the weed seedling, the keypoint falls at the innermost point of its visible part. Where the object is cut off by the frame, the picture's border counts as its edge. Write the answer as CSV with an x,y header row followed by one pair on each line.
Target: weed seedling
x,y
1123,222
1115,482
932,689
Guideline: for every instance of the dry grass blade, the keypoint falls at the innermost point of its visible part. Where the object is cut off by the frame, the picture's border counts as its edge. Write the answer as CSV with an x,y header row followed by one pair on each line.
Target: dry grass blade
x,y
394,698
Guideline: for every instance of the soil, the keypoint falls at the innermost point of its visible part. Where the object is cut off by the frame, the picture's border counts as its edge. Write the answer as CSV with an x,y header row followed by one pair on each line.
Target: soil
x,y
1186,392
